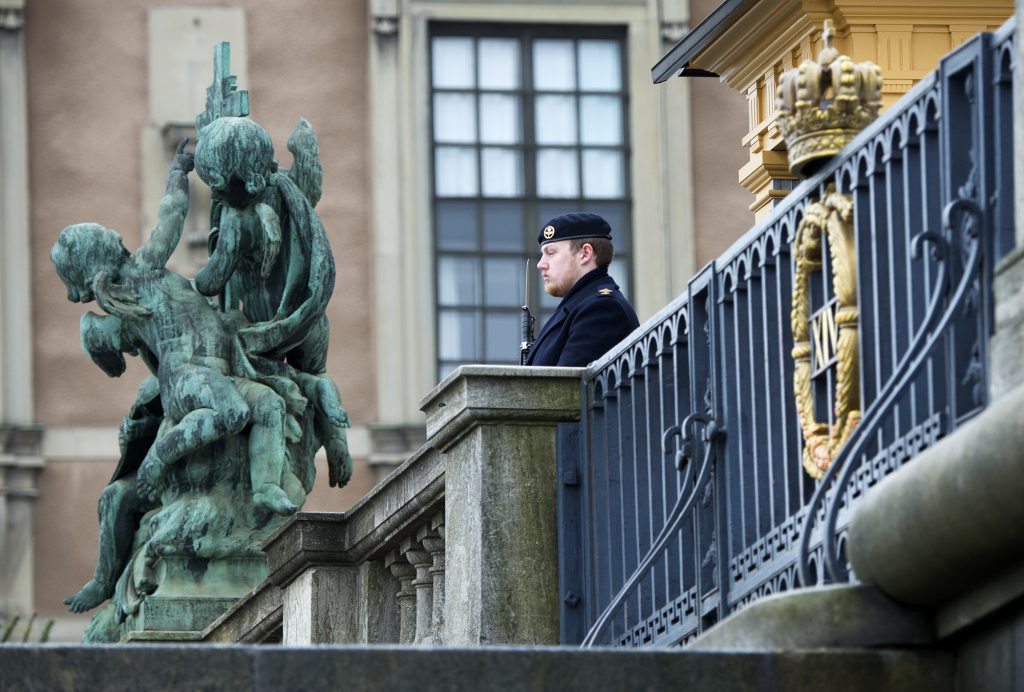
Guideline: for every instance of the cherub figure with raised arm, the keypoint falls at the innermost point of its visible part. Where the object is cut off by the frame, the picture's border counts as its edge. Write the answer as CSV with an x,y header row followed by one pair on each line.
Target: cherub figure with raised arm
x,y
157,314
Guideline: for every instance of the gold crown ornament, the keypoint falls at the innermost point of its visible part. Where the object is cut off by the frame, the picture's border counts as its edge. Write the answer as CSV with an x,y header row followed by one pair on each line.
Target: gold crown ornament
x,y
822,105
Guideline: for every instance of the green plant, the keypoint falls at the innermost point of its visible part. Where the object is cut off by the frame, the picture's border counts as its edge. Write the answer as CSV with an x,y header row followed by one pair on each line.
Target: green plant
x,y
9,630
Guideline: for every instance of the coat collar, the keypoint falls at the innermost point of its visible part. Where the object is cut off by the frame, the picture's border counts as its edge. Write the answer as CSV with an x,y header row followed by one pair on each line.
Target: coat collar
x,y
581,283
574,294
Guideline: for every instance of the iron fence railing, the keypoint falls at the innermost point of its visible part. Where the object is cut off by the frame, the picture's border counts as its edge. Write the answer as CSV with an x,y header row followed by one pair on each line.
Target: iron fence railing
x,y
684,491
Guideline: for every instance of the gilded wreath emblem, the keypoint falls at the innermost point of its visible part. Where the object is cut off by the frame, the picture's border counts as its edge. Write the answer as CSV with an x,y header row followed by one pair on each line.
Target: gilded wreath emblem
x,y
829,335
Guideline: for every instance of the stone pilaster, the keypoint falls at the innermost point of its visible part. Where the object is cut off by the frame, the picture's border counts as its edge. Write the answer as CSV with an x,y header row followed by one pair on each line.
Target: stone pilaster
x,y
16,349
496,427
20,466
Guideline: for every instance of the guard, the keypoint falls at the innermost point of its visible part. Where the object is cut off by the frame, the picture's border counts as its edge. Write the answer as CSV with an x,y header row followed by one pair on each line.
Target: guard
x,y
593,316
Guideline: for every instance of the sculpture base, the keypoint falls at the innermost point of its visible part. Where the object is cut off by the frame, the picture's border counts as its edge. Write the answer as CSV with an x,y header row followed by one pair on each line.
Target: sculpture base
x,y
192,593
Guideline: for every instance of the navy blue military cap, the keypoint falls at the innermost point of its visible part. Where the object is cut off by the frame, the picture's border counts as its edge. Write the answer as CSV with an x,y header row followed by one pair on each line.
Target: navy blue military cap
x,y
577,224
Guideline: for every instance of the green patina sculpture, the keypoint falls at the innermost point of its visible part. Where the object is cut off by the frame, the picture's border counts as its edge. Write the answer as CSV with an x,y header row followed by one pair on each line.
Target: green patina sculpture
x,y
271,258
218,447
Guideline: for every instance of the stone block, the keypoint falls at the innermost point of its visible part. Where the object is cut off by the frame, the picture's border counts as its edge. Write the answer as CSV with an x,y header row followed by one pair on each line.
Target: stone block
x,y
192,593
186,616
60,668
307,538
320,606
475,393
841,616
498,427
511,669
949,520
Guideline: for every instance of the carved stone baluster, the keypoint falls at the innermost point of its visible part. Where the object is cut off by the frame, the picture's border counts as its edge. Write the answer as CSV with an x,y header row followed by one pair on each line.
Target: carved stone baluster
x,y
419,558
432,538
405,573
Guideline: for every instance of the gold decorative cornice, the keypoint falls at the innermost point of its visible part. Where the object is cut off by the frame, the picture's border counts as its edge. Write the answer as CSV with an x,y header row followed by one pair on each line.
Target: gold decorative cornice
x,y
835,334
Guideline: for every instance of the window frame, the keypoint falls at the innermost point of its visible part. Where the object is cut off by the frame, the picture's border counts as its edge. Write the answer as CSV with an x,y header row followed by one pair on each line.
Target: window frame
x,y
531,202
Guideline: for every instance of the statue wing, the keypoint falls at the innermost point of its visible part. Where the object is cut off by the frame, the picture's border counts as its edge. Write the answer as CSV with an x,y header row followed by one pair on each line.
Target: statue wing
x,y
120,301
101,341
139,428
306,171
311,251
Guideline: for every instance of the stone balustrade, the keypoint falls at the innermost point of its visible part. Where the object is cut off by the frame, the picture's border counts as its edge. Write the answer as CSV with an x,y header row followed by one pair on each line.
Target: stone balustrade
x,y
458,546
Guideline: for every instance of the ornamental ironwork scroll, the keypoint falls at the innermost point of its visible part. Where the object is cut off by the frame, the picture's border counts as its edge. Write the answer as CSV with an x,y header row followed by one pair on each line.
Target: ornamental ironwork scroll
x,y
826,337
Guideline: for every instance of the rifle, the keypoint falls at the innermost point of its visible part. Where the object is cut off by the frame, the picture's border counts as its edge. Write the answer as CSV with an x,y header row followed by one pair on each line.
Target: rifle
x,y
526,325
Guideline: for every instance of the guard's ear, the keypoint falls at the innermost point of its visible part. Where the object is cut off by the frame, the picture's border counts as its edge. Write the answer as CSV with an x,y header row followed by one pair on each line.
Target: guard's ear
x,y
587,253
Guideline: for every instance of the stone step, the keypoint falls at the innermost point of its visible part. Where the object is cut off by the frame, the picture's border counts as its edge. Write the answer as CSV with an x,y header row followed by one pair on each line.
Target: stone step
x,y
203,667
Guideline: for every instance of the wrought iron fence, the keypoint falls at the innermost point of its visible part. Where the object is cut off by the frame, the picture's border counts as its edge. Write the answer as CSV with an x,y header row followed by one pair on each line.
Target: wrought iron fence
x,y
722,447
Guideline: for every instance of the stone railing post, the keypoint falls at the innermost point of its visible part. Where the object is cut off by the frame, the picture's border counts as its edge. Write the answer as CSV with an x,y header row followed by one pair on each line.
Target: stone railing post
x,y
432,539
413,551
496,428
318,581
406,574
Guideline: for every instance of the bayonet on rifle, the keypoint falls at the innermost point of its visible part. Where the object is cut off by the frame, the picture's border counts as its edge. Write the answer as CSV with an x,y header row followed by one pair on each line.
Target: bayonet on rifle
x,y
527,321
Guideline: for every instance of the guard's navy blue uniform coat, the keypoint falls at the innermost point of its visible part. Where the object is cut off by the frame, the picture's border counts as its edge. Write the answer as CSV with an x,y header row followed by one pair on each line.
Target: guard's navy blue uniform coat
x,y
593,317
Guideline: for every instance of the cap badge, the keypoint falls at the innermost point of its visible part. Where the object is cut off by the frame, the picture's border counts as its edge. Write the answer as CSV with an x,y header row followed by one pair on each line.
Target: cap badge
x,y
549,233
605,291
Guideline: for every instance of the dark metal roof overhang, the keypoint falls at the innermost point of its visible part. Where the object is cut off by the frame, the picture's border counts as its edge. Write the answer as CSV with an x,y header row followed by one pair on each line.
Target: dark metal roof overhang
x,y
677,60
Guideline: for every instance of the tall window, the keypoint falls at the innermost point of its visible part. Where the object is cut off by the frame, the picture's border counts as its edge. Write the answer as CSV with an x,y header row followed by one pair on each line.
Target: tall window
x,y
527,124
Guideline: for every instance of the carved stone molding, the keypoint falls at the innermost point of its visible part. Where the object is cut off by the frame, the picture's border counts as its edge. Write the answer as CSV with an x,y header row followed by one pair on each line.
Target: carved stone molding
x,y
12,18
673,32
385,26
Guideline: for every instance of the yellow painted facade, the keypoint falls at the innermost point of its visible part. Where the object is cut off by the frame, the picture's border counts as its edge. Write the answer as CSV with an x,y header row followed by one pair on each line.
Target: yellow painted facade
x,y
905,40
